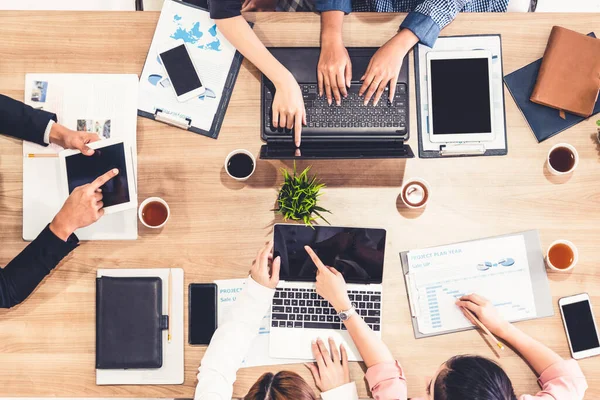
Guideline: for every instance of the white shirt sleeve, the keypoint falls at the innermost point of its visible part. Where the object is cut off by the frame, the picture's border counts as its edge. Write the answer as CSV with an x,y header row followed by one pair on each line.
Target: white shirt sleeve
x,y
47,132
231,341
344,392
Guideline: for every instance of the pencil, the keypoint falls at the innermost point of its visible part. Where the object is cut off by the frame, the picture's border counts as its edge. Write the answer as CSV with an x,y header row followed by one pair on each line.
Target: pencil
x,y
42,155
477,322
170,302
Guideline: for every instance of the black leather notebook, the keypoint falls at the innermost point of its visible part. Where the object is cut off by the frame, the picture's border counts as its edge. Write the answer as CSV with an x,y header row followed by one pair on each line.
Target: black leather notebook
x,y
129,323
545,122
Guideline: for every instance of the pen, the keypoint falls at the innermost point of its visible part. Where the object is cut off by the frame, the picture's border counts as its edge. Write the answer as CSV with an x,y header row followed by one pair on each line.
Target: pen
x,y
42,155
170,302
477,322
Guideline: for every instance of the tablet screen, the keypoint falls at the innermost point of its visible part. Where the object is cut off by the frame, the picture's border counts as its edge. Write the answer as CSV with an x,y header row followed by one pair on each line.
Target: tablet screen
x,y
82,170
358,253
460,92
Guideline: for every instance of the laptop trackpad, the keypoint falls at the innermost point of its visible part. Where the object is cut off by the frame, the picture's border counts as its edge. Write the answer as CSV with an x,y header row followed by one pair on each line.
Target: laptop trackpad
x,y
296,343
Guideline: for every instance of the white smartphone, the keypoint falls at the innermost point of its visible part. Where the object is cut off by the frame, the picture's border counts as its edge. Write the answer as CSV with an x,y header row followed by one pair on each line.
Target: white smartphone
x,y
182,72
580,325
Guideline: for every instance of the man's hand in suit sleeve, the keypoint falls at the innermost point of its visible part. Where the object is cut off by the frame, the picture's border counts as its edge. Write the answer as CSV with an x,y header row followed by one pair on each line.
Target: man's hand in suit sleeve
x,y
68,139
82,208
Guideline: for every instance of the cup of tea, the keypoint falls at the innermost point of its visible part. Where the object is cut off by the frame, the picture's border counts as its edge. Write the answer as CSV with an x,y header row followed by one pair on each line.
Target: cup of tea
x,y
154,212
415,193
240,164
562,159
562,256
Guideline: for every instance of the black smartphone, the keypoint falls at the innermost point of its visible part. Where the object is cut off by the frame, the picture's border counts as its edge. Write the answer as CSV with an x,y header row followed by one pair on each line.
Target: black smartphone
x,y
202,312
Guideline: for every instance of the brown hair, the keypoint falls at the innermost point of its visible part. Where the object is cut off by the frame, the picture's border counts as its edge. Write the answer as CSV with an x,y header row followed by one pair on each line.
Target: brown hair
x,y
284,385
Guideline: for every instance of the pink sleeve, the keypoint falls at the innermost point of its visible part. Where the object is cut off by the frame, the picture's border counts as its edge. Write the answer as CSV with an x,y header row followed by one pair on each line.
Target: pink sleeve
x,y
561,381
386,381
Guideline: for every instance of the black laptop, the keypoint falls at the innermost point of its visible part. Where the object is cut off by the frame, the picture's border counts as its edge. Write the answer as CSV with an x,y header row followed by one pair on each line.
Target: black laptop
x,y
351,130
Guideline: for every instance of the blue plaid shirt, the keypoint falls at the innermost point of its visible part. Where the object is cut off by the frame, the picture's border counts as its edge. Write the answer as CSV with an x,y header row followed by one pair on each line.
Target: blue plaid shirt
x,y
426,18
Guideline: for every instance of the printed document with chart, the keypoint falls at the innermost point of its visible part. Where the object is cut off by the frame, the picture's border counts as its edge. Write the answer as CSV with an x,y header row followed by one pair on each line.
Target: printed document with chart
x,y
496,268
210,51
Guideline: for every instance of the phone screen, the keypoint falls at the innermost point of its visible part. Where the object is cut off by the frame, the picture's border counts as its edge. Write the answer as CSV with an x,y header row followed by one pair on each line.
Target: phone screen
x,y
203,313
580,326
181,70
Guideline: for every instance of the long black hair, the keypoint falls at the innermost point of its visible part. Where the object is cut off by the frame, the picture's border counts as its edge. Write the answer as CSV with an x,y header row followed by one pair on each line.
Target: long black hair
x,y
473,378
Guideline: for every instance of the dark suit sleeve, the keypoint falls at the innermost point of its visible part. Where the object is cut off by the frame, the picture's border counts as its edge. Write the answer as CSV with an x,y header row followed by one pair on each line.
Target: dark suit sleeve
x,y
22,121
23,274
220,9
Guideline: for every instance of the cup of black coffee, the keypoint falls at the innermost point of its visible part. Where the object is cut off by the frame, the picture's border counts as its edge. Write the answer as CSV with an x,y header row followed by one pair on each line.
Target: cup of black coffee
x,y
240,164
562,159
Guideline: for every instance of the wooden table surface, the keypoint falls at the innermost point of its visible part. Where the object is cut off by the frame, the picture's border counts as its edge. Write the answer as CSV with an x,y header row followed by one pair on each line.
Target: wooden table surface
x,y
217,225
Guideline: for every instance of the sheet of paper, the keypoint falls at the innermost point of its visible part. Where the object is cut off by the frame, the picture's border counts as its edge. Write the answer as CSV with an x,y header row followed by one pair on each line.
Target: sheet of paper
x,y
99,103
211,52
491,43
258,355
496,269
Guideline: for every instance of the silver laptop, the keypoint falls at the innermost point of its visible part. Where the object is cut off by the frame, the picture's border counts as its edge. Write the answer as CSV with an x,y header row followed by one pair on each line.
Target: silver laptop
x,y
298,314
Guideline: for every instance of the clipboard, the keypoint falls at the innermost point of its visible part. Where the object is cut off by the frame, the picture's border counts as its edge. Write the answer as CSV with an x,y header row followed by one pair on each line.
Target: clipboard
x,y
537,270
499,146
157,100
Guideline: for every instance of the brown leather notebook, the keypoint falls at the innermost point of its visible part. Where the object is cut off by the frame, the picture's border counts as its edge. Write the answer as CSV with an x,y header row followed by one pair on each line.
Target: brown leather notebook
x,y
569,78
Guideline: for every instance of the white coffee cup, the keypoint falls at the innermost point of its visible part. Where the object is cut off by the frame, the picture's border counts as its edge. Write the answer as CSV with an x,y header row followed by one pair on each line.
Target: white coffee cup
x,y
554,171
240,151
573,249
146,202
415,193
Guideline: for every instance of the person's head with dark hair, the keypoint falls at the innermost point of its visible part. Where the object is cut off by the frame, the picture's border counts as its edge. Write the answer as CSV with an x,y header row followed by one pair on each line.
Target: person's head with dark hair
x,y
470,378
283,385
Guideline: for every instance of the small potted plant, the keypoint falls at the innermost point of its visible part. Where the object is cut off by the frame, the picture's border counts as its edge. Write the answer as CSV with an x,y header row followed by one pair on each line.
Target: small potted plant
x,y
298,197
598,134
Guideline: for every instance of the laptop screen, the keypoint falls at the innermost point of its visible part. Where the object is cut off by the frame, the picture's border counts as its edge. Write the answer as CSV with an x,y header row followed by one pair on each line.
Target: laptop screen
x,y
358,253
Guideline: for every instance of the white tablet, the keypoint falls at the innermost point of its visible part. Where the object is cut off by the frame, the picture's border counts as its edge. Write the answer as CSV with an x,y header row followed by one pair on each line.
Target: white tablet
x,y
76,170
460,96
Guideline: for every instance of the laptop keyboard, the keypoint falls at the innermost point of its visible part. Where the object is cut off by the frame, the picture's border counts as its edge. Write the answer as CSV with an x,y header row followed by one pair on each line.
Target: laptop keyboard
x,y
352,116
304,308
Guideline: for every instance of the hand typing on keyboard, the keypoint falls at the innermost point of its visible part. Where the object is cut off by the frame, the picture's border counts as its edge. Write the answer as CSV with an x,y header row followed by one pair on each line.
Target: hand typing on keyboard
x,y
384,67
330,284
334,71
288,107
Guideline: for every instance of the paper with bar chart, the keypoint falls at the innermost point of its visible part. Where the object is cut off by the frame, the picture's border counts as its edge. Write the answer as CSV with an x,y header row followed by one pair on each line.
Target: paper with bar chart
x,y
496,269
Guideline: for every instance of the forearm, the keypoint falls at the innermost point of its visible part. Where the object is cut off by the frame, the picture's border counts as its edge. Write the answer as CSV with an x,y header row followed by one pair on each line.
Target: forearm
x,y
243,38
539,356
371,348
25,272
331,25
22,121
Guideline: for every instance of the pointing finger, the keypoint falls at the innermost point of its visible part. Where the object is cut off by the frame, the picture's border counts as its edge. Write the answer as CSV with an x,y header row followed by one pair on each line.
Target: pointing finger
x,y
101,180
315,259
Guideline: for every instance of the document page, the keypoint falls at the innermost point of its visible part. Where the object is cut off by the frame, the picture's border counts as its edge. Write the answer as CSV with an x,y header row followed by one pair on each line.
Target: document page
x,y
211,53
258,355
496,269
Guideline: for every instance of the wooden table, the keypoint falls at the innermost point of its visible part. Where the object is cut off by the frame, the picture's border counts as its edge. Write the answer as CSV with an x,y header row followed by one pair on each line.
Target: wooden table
x,y
217,225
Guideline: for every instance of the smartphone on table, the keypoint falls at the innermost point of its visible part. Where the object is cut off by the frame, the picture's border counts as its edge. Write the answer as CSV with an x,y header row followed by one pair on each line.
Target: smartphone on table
x,y
182,72
580,325
202,312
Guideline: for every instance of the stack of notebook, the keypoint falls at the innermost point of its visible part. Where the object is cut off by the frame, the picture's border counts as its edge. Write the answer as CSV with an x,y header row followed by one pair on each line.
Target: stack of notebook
x,y
560,90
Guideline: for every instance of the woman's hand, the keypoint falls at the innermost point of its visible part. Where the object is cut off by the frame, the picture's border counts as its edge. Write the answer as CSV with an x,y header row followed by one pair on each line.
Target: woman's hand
x,y
265,270
75,140
334,71
384,67
331,370
485,311
288,106
330,284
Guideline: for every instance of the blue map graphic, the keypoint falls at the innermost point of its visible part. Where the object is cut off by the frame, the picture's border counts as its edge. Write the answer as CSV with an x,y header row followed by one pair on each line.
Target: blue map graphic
x,y
206,40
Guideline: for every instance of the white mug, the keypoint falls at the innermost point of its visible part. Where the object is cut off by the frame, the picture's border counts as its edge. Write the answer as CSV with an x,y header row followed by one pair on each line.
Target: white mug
x,y
240,151
426,194
575,155
573,249
150,200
